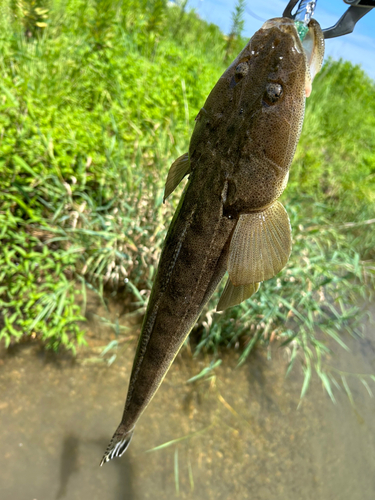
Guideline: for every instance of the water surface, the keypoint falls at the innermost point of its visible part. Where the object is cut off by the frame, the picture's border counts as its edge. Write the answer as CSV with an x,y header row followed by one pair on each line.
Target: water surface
x,y
247,438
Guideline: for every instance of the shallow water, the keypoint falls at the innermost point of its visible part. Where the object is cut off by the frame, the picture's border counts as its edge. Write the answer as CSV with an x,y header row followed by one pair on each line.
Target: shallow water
x,y
247,437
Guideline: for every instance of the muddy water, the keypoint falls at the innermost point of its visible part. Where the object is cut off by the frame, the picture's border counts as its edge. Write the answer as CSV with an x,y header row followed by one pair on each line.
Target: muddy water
x,y
244,436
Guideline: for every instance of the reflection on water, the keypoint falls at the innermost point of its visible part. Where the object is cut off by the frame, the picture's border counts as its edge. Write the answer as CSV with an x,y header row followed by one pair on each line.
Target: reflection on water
x,y
245,437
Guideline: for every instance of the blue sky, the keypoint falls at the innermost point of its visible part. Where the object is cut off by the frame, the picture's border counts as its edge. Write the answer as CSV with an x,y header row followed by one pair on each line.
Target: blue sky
x,y
358,47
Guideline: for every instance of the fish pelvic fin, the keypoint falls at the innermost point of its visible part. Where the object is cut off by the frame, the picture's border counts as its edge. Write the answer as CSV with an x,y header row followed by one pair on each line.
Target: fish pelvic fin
x,y
260,246
118,444
234,295
177,172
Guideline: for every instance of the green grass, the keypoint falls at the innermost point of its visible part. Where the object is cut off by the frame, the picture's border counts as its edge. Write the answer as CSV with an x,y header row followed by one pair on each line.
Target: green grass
x,y
94,107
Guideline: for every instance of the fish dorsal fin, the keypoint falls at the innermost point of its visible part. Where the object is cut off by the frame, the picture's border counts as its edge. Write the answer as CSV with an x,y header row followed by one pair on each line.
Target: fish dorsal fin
x,y
234,295
260,246
177,172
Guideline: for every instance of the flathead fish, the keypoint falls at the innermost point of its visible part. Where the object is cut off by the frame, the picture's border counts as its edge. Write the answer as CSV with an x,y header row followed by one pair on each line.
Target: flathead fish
x,y
228,219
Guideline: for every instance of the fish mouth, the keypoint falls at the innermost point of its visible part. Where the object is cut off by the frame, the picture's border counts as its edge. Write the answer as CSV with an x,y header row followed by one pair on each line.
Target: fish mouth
x,y
285,25
312,45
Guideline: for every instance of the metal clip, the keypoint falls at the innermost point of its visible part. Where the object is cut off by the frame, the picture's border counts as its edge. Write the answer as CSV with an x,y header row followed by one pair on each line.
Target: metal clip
x,y
346,23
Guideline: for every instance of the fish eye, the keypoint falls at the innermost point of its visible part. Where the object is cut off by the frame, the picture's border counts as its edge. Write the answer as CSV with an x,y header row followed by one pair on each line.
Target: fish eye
x,y
273,93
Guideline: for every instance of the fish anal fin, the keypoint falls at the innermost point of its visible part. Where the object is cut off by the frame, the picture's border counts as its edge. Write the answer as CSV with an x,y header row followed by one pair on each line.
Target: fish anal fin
x,y
234,295
260,246
177,172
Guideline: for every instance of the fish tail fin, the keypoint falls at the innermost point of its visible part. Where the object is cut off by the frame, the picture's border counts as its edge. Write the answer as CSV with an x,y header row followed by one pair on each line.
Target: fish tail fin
x,y
118,444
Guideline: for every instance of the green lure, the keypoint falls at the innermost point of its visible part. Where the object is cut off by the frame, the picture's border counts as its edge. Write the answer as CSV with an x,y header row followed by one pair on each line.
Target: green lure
x,y
302,29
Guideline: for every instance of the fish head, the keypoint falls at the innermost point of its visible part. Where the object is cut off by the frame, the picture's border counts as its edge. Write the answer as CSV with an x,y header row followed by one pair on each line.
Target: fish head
x,y
251,122
278,54
270,80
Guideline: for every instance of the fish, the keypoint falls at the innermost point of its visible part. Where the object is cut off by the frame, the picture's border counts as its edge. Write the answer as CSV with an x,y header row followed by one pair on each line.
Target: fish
x,y
229,219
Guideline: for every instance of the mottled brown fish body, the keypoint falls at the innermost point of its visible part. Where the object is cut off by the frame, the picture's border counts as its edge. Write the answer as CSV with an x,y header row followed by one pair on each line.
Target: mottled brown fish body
x,y
192,264
228,218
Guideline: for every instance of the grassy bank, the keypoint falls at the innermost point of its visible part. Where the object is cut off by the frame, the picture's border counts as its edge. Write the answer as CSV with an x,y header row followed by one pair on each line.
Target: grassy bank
x,y
96,100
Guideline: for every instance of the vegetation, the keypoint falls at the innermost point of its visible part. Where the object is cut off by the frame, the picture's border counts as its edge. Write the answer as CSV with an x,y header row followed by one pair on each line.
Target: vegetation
x,y
96,100
238,23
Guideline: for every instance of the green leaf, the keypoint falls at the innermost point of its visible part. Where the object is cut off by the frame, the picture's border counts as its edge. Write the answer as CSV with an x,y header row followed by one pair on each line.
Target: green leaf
x,y
306,380
327,385
205,371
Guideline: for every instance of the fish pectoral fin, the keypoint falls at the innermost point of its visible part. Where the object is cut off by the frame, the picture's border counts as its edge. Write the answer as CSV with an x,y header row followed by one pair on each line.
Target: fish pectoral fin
x,y
177,172
260,246
234,295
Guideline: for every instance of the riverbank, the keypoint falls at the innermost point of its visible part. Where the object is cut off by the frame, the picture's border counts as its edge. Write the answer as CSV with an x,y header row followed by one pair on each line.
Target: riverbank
x,y
90,128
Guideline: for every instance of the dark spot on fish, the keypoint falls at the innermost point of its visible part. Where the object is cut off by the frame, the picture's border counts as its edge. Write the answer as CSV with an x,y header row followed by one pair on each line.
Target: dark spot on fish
x,y
242,70
273,93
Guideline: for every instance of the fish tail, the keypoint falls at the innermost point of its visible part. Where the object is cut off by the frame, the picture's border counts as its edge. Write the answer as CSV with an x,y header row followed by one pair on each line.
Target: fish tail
x,y
118,444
